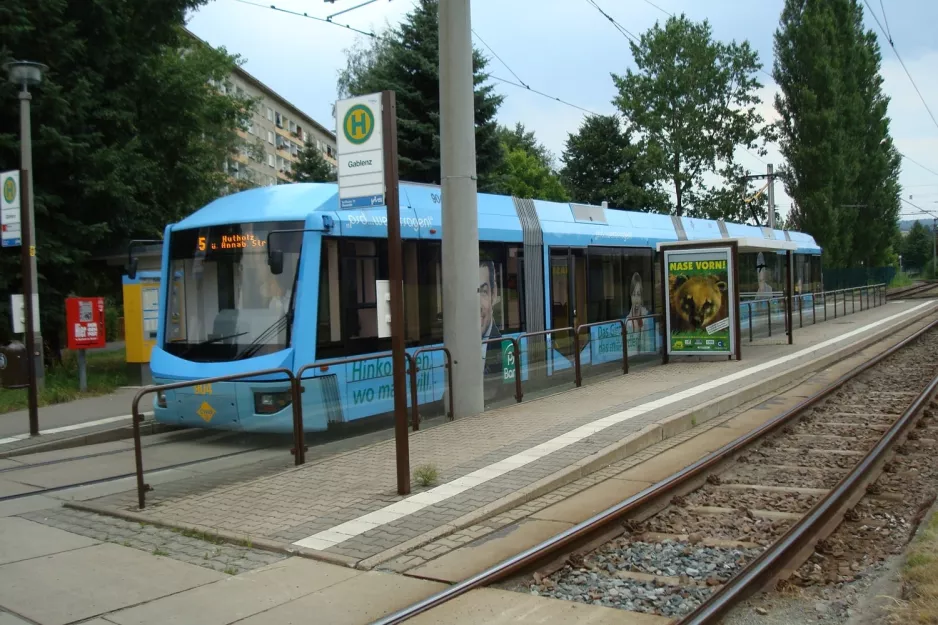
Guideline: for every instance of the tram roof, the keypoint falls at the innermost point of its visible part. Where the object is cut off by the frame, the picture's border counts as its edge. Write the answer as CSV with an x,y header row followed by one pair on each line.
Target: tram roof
x,y
421,216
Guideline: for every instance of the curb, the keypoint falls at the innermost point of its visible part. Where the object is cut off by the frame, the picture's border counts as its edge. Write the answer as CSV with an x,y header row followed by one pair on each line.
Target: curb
x,y
122,432
646,437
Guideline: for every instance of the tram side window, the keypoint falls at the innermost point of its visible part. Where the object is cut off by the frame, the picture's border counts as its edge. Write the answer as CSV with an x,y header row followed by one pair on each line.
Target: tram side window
x,y
607,288
430,291
620,283
329,317
640,294
363,262
499,284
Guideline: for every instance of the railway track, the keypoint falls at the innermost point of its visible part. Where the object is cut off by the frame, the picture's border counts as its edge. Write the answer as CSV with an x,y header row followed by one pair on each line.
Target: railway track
x,y
753,513
115,462
914,290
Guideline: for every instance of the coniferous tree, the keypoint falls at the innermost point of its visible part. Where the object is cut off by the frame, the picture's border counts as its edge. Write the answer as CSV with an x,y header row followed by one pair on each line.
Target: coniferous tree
x,y
311,166
406,59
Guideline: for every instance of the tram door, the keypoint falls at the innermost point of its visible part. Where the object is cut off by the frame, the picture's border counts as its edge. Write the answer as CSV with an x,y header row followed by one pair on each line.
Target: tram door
x,y
567,294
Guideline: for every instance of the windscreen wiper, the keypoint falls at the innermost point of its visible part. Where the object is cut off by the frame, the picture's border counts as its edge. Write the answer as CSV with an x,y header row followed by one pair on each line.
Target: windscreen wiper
x,y
213,340
259,341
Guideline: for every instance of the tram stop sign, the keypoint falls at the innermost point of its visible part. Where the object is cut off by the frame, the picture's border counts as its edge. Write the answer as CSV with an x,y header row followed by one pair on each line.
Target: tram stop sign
x,y
85,320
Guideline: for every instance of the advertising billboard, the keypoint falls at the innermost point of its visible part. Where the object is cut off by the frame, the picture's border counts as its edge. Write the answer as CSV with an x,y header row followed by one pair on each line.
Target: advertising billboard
x,y
699,296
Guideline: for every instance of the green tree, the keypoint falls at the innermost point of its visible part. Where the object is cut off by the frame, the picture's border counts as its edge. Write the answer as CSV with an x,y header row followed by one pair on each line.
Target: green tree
x,y
527,168
311,166
519,138
917,247
406,60
834,131
736,200
600,163
128,134
693,100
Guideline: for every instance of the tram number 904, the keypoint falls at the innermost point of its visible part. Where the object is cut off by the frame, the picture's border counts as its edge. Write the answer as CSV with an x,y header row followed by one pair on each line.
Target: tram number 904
x,y
203,389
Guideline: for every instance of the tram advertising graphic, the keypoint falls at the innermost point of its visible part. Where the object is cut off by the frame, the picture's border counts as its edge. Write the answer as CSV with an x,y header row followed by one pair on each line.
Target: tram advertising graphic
x,y
699,297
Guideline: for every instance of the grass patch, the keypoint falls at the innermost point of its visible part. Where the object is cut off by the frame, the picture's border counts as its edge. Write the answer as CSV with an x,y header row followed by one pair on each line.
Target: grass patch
x,y
230,570
920,580
160,552
426,475
107,371
901,279
204,536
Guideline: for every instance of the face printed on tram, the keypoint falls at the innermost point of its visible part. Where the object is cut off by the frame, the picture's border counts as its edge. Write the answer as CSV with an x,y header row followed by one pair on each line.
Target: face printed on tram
x,y
635,296
488,297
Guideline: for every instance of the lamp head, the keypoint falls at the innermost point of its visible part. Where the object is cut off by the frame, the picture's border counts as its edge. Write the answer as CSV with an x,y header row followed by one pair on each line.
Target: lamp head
x,y
25,73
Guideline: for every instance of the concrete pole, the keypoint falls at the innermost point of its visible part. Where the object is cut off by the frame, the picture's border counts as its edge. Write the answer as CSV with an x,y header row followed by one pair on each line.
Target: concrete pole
x,y
462,333
769,171
26,158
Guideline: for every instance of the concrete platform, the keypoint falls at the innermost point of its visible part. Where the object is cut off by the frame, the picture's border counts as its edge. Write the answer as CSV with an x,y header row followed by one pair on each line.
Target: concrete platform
x,y
345,509
82,583
500,607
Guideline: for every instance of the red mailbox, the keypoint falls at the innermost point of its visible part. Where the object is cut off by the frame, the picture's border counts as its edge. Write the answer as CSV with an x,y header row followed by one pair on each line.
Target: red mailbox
x,y
85,319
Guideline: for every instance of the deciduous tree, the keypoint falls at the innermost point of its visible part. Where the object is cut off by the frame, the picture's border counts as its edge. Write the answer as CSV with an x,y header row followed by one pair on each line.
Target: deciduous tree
x,y
600,163
834,131
693,101
128,133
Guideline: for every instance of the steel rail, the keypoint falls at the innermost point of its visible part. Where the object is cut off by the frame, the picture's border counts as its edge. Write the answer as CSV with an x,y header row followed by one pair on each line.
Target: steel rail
x,y
782,555
912,290
581,532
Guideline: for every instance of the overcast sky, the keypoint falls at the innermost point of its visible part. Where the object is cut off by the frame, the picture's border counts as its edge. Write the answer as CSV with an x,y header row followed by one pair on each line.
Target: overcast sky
x,y
567,49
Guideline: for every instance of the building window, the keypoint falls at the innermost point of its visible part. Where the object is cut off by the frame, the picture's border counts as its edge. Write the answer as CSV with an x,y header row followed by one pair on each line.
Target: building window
x,y
270,137
271,161
294,149
293,127
302,133
278,119
330,152
270,114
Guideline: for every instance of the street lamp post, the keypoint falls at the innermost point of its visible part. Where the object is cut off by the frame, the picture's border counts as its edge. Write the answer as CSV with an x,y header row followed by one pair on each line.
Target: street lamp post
x,y
28,74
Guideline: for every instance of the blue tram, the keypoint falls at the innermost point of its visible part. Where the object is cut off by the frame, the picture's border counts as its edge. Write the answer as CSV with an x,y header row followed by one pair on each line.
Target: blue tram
x,y
543,265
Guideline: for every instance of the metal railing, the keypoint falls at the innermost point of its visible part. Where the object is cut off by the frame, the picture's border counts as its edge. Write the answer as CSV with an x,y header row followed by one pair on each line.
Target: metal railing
x,y
516,350
835,300
298,451
625,341
414,368
324,366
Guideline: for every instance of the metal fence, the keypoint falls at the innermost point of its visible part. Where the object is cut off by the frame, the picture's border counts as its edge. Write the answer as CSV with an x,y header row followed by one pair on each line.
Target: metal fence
x,y
562,356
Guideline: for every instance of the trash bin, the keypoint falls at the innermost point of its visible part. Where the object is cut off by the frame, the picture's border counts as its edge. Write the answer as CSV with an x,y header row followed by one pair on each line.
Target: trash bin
x,y
14,366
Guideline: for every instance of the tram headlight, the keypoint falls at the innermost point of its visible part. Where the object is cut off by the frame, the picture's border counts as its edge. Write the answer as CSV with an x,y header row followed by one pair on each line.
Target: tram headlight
x,y
269,403
161,399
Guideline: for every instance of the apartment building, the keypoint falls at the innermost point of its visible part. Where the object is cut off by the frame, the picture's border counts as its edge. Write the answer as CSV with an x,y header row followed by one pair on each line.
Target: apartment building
x,y
276,133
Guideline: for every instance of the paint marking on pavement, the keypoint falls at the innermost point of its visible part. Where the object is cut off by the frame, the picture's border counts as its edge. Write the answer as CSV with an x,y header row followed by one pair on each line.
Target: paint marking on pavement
x,y
350,529
71,428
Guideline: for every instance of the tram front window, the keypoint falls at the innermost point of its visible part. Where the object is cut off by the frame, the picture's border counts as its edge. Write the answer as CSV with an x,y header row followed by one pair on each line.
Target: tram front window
x,y
224,302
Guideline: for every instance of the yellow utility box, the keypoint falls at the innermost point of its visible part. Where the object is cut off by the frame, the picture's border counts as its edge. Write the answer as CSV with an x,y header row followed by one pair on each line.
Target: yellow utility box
x,y
141,319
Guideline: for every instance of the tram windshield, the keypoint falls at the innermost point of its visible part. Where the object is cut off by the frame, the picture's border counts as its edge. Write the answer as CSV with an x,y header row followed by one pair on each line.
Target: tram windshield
x,y
224,302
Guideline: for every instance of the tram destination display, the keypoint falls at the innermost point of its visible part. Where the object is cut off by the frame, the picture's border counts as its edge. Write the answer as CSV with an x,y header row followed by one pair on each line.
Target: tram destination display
x,y
699,297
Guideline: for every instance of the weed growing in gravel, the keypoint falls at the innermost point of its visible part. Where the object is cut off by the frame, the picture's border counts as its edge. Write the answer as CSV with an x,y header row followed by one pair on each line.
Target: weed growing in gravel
x,y
230,570
426,475
920,580
160,552
215,539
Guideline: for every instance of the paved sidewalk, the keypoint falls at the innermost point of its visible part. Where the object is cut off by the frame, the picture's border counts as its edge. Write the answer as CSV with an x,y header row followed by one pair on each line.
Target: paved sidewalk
x,y
345,507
